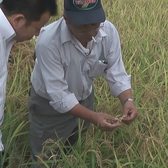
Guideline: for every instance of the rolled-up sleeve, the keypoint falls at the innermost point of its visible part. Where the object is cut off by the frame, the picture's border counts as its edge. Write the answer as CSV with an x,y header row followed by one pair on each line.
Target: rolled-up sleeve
x,y
49,72
115,74
65,104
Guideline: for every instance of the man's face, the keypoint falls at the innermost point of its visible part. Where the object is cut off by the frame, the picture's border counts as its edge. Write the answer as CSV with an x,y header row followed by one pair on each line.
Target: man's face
x,y
84,32
27,31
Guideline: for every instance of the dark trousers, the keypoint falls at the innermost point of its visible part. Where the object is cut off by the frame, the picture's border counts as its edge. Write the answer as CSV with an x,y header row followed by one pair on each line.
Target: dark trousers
x,y
48,126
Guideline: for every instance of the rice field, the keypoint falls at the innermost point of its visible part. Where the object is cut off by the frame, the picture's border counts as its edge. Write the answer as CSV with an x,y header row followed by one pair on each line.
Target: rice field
x,y
143,30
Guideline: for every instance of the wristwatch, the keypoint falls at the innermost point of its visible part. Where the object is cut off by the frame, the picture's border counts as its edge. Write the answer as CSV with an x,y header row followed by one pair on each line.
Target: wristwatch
x,y
128,99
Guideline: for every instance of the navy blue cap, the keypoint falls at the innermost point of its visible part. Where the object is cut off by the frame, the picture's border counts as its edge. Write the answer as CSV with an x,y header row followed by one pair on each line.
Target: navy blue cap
x,y
80,12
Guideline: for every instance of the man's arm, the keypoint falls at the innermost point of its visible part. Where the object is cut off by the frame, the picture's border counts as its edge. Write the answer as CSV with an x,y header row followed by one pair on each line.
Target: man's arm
x,y
104,121
129,110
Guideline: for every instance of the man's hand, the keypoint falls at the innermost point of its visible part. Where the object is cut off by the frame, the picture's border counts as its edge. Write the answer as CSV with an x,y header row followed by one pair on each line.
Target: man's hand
x,y
130,113
105,122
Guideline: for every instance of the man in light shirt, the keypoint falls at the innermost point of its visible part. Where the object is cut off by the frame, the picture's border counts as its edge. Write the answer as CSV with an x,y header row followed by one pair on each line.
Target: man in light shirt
x,y
70,53
19,20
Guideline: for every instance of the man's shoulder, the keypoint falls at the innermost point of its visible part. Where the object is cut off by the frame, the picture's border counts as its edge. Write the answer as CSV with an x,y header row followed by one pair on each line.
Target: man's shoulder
x,y
109,28
109,24
50,32
52,28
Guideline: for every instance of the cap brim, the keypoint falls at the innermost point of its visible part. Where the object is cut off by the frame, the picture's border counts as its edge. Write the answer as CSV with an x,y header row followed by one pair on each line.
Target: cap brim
x,y
85,17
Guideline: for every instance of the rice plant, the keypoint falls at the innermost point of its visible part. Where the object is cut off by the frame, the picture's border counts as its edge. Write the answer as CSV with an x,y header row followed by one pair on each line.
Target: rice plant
x,y
142,26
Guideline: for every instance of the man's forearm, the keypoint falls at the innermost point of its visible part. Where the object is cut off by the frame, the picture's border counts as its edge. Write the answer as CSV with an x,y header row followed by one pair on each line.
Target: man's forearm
x,y
81,112
125,95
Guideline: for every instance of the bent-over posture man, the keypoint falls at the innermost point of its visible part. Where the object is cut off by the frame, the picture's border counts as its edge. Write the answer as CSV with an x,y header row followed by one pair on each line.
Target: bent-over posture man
x,y
19,20
70,53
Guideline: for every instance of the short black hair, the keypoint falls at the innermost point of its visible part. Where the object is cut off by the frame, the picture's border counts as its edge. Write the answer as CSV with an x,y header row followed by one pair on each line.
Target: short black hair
x,y
31,9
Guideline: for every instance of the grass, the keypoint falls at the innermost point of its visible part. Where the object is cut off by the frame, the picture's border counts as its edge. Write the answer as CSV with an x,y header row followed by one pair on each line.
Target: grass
x,y
142,26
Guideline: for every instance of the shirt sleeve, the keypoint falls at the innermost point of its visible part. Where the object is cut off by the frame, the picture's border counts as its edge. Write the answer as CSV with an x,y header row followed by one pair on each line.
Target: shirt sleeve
x,y
2,96
115,74
55,87
3,77
2,102
1,145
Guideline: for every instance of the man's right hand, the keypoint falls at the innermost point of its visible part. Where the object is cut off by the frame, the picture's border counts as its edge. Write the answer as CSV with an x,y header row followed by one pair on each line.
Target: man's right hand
x,y
104,122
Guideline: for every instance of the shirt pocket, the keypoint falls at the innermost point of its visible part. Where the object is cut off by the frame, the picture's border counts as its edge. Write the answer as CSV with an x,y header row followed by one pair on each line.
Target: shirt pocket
x,y
98,68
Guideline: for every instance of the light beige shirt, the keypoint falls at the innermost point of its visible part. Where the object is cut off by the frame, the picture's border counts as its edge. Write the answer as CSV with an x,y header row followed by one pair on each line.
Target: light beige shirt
x,y
6,41
64,71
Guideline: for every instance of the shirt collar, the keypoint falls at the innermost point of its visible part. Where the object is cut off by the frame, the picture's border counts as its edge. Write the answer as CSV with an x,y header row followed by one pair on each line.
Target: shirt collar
x,y
65,33
67,36
6,29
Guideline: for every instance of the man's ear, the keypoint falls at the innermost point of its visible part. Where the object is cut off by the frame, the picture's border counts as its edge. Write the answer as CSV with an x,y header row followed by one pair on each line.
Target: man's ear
x,y
17,20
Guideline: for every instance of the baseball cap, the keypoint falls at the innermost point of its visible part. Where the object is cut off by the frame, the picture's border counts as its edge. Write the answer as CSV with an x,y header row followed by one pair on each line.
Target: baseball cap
x,y
80,12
